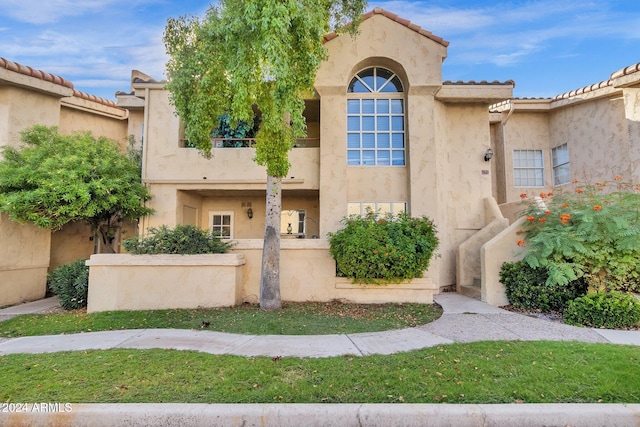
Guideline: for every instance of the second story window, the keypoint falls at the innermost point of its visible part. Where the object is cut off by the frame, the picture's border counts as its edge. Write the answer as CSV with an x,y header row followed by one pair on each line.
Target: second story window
x,y
560,164
375,119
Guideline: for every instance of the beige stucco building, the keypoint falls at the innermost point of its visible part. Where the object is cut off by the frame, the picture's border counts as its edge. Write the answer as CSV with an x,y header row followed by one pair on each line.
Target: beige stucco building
x,y
384,132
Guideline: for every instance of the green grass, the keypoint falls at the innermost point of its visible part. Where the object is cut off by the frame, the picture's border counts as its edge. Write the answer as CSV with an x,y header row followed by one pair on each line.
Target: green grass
x,y
294,319
483,372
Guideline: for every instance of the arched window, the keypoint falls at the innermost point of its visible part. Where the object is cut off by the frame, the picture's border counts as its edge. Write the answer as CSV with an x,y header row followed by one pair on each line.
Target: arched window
x,y
375,119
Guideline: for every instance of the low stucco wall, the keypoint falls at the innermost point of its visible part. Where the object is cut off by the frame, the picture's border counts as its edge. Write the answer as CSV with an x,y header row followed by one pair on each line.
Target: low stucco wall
x,y
24,259
308,273
152,282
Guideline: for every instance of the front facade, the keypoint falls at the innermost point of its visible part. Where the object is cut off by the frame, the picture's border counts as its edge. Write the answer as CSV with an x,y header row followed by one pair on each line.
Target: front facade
x,y
383,133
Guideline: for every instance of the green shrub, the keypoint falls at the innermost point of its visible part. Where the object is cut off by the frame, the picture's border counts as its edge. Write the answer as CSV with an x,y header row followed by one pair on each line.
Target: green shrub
x,y
183,239
527,287
71,283
612,310
390,248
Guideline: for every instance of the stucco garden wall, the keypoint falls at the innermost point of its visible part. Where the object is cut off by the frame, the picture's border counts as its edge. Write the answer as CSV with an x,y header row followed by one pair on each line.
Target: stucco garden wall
x,y
24,259
307,273
152,282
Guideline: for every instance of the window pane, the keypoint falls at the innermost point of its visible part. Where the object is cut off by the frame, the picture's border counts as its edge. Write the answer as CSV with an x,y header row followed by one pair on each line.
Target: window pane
x,y
383,123
384,208
368,106
217,220
383,140
368,123
368,140
368,157
353,106
397,158
353,157
397,123
383,106
226,220
368,207
399,208
384,158
356,86
353,140
396,106
353,123
393,86
397,140
353,209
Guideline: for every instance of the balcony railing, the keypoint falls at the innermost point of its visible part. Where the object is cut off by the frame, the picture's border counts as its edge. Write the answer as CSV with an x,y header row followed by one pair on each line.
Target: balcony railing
x,y
251,142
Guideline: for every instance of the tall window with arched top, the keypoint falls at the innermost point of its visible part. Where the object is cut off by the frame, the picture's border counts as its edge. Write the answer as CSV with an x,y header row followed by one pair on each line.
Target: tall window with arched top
x,y
375,119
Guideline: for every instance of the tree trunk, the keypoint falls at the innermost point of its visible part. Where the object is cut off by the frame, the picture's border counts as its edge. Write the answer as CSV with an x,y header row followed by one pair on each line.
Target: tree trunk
x,y
270,278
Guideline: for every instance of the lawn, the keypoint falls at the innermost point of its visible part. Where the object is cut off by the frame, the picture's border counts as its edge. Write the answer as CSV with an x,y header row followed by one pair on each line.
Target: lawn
x,y
294,319
482,372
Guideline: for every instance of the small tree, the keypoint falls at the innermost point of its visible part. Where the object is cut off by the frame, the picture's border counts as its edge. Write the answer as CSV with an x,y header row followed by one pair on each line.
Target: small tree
x,y
55,179
249,54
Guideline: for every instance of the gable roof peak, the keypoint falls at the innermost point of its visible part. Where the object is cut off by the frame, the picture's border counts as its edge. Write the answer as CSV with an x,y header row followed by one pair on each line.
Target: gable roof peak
x,y
395,18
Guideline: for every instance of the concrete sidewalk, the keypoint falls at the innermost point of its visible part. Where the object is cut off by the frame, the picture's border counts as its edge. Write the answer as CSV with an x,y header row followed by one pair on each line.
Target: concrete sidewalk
x,y
464,319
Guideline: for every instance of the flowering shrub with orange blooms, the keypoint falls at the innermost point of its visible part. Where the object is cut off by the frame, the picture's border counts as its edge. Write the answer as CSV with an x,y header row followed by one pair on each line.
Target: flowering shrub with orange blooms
x,y
590,232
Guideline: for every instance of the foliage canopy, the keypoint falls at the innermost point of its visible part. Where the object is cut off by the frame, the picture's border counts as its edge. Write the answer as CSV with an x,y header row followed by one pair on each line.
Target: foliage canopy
x,y
389,248
54,179
246,55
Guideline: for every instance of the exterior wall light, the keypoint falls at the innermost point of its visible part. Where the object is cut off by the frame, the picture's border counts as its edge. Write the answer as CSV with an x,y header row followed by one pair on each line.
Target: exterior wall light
x,y
488,154
250,213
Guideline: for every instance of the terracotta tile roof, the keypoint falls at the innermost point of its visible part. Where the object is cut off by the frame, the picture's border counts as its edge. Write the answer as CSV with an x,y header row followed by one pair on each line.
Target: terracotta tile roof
x,y
583,90
626,71
23,69
620,73
52,78
396,18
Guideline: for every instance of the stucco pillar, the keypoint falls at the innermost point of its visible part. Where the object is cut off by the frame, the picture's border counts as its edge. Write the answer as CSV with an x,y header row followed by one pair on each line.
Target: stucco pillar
x,y
632,115
422,158
333,159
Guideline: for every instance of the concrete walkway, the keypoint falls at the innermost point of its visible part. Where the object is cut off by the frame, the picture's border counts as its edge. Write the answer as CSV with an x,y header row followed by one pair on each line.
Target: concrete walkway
x,y
464,320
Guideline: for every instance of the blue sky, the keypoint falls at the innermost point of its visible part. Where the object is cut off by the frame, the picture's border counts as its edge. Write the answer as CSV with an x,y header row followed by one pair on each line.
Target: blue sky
x,y
547,46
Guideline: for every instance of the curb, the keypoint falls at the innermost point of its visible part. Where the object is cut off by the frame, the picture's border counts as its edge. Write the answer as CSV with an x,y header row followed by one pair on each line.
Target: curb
x,y
311,415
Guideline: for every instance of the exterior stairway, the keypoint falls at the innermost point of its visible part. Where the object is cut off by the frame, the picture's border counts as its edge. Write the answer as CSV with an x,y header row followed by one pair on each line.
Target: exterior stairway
x,y
473,291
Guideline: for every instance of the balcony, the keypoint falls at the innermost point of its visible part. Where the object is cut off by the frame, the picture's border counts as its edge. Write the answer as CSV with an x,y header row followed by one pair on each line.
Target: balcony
x,y
251,142
231,165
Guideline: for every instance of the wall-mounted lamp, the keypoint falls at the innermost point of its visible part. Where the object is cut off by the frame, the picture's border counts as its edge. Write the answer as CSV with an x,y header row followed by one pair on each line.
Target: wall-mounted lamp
x,y
488,154
250,213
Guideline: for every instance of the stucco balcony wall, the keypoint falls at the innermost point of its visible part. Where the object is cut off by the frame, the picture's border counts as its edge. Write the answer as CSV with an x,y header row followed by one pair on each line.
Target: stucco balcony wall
x,y
188,165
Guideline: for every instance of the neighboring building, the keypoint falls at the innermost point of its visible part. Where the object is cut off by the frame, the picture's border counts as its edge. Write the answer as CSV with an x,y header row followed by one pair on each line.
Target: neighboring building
x,y
29,97
589,134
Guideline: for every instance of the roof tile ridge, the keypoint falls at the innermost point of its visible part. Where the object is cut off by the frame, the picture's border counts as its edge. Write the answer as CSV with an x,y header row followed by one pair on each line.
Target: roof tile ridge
x,y
402,21
32,72
89,97
626,71
583,90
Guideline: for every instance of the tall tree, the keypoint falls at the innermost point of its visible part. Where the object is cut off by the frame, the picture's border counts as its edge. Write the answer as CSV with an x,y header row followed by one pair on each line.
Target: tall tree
x,y
246,55
54,179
